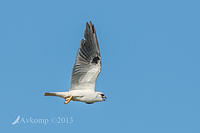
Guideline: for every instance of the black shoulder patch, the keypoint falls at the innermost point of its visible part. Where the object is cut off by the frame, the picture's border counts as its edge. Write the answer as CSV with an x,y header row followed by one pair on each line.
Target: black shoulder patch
x,y
95,60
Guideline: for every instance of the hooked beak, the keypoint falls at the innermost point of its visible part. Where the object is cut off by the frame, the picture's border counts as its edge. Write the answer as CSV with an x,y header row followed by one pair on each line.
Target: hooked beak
x,y
104,98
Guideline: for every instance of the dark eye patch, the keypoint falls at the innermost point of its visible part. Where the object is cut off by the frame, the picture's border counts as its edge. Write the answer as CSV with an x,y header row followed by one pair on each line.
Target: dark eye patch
x,y
102,95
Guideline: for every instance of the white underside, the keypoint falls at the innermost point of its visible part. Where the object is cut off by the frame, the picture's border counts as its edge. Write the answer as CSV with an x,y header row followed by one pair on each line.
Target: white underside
x,y
87,96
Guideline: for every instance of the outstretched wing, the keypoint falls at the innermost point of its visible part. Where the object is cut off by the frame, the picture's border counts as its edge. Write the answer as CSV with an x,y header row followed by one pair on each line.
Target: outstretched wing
x,y
88,61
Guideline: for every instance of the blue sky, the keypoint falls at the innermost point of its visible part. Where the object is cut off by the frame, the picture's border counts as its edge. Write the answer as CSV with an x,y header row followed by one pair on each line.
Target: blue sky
x,y
150,57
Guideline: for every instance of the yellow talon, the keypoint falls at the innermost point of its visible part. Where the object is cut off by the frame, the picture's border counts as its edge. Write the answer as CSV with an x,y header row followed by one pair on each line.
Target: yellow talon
x,y
68,99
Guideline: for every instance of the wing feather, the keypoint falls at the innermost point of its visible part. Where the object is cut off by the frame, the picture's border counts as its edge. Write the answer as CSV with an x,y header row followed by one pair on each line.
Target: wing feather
x,y
88,61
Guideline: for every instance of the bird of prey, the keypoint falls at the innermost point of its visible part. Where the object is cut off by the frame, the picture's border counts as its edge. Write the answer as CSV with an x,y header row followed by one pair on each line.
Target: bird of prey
x,y
85,71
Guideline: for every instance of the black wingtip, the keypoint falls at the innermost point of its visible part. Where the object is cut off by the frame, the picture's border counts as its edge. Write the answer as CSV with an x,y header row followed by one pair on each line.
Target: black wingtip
x,y
90,27
87,25
91,23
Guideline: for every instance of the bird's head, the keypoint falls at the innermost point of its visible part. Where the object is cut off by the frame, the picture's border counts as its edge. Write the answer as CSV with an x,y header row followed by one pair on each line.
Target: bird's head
x,y
100,96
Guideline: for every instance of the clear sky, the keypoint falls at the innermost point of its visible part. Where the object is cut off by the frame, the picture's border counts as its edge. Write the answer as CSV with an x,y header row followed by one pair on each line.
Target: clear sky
x,y
150,65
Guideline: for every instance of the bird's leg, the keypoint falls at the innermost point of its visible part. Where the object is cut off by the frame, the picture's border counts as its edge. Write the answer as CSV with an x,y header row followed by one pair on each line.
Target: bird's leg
x,y
68,99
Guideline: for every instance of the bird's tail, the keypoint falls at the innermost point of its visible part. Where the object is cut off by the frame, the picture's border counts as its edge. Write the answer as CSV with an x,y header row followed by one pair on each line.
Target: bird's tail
x,y
50,94
59,94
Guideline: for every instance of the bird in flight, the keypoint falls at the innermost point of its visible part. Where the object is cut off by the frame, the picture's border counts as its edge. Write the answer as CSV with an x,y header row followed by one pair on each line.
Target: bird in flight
x,y
85,71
